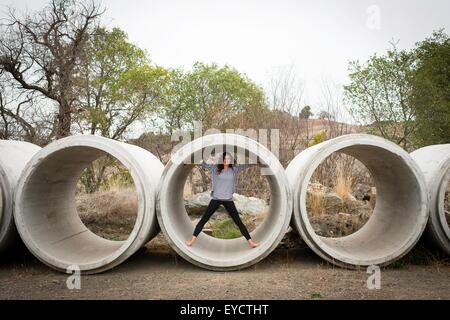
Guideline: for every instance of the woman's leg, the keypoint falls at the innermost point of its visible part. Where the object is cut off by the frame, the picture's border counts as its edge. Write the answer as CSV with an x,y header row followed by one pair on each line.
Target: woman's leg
x,y
231,208
212,207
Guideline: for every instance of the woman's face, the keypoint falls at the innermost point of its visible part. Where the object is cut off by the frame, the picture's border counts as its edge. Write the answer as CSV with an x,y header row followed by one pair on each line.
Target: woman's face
x,y
226,160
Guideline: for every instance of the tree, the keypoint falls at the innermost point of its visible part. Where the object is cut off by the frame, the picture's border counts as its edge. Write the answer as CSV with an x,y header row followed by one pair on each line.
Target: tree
x,y
210,94
285,96
379,95
43,52
325,115
118,85
431,90
305,113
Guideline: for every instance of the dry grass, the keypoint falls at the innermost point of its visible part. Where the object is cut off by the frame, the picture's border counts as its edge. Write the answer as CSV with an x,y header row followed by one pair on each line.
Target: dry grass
x,y
316,203
110,214
344,183
339,178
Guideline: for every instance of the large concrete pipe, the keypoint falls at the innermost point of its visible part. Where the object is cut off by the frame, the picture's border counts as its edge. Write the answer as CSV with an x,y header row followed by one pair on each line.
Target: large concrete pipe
x,y
46,214
14,155
209,252
435,164
400,212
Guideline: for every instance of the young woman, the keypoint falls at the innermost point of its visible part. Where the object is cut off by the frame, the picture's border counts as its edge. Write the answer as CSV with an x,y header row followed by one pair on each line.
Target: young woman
x,y
223,187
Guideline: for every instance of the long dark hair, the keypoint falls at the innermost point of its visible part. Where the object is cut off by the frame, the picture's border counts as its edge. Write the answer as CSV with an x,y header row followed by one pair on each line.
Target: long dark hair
x,y
220,164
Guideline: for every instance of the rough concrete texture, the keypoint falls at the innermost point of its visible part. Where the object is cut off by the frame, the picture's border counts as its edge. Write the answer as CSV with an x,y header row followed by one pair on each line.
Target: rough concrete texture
x,y
434,161
209,252
45,209
14,155
401,209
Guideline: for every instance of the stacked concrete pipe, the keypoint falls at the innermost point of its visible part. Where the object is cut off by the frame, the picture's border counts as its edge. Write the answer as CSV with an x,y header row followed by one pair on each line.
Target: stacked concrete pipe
x,y
209,252
401,209
14,155
45,209
434,161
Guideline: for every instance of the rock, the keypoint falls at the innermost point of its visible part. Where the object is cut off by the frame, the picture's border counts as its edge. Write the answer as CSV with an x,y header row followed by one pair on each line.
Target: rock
x,y
332,203
248,205
351,198
339,225
196,205
324,199
361,208
362,191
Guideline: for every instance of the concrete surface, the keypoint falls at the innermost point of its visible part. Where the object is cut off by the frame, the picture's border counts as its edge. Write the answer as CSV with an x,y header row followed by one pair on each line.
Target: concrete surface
x,y
401,209
14,155
209,252
45,210
434,161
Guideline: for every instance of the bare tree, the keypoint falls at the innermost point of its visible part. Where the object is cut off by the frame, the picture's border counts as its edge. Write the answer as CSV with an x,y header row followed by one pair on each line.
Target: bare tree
x,y
285,95
333,110
41,53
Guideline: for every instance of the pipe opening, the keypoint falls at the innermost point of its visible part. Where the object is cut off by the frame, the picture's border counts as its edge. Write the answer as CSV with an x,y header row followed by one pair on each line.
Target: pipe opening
x,y
207,251
399,214
252,199
106,199
49,211
341,196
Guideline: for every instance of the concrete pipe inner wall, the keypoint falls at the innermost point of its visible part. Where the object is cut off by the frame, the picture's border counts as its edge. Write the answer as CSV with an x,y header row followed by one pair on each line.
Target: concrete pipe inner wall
x,y
210,252
46,214
400,212
14,155
434,161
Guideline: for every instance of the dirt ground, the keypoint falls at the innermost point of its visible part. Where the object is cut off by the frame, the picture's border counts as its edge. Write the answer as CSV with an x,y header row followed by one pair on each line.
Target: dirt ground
x,y
156,272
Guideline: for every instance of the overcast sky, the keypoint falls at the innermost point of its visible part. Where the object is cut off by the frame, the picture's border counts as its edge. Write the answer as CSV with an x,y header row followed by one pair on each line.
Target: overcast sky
x,y
317,37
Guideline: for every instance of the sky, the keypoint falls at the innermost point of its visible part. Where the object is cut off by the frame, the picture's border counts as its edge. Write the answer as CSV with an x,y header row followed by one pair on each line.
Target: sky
x,y
316,38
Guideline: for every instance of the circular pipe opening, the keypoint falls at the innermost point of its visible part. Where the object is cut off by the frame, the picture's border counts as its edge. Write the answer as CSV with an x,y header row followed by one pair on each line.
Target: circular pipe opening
x,y
46,213
106,199
209,252
252,199
400,213
341,196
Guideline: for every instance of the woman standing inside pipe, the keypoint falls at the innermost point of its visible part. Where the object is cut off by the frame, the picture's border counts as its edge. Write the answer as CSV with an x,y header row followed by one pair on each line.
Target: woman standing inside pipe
x,y
223,186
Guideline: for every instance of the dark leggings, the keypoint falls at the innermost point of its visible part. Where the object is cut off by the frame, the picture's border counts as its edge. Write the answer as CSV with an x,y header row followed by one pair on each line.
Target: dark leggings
x,y
231,208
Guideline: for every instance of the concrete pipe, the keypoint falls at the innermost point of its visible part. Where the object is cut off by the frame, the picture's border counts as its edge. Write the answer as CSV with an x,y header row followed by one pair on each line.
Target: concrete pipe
x,y
400,212
210,252
45,209
435,164
14,155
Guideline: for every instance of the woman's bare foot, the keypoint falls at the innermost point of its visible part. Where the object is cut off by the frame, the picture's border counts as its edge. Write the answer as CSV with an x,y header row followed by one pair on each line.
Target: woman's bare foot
x,y
252,243
191,242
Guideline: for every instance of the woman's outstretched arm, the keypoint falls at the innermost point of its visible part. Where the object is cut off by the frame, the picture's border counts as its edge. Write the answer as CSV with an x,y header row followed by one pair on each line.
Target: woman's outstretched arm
x,y
206,165
240,167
